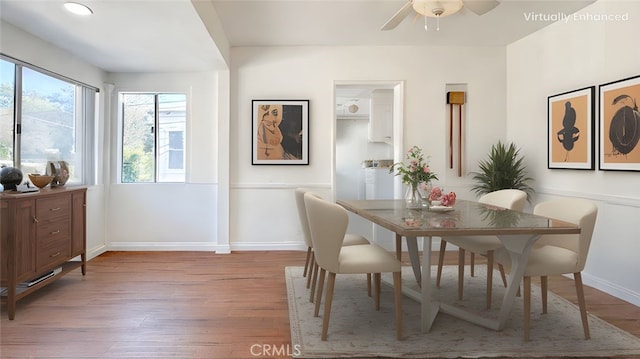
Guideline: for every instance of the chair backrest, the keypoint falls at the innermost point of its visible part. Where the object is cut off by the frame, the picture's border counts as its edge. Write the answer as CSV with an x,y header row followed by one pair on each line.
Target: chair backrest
x,y
573,210
302,214
327,224
507,198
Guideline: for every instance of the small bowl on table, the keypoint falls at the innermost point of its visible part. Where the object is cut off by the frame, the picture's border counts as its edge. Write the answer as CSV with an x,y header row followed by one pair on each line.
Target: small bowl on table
x,y
40,181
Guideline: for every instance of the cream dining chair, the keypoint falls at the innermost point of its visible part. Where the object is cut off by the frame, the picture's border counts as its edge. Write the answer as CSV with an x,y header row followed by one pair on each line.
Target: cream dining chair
x,y
310,267
558,254
327,224
484,245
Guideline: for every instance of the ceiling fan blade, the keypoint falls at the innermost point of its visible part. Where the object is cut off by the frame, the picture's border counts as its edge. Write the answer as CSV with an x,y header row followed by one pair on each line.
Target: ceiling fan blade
x,y
397,18
480,7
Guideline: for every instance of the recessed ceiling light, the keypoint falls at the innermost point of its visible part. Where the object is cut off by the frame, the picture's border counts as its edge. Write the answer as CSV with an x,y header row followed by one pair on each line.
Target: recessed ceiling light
x,y
78,9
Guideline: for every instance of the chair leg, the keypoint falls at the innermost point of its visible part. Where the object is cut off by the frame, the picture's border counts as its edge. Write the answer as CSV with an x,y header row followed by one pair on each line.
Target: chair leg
x,y
582,304
443,247
314,279
327,305
543,290
527,306
306,263
502,275
460,272
316,312
397,289
504,278
489,278
369,284
378,283
312,262
472,264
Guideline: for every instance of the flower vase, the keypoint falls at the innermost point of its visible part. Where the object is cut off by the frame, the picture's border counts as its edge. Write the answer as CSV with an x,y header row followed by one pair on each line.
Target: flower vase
x,y
413,197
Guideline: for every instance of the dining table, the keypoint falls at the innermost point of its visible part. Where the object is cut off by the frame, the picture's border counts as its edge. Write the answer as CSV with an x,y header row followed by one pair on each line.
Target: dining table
x,y
517,231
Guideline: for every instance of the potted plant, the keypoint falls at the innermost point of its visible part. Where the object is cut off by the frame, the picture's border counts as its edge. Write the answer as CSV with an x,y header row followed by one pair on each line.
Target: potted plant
x,y
502,170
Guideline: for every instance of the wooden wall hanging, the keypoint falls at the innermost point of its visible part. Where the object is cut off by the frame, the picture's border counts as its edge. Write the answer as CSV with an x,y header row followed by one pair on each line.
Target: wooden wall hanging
x,y
455,98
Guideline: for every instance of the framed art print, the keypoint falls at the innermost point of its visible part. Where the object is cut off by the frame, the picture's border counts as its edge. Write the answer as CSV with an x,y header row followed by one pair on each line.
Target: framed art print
x,y
620,125
570,136
280,132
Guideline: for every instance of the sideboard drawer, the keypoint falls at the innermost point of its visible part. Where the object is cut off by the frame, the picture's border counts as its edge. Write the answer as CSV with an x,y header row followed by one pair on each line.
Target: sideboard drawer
x,y
54,252
52,208
53,243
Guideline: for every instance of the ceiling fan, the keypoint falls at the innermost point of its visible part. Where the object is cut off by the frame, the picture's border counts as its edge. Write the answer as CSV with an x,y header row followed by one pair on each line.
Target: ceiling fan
x,y
437,9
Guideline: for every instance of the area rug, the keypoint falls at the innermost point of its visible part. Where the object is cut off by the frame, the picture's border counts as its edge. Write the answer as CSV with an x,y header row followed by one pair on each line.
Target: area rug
x,y
357,330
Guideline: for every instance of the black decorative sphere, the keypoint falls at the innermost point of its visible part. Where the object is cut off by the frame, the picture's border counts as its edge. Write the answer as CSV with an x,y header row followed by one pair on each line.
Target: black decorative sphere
x,y
10,177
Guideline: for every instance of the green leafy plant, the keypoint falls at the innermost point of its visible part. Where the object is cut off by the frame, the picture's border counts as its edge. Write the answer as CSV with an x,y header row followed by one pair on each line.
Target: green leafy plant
x,y
503,169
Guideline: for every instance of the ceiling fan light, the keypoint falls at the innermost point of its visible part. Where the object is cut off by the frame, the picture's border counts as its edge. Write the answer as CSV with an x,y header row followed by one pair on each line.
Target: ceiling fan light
x,y
78,9
435,8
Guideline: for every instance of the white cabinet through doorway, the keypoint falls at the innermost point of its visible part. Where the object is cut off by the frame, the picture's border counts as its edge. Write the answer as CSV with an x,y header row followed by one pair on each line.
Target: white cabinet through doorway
x,y
381,116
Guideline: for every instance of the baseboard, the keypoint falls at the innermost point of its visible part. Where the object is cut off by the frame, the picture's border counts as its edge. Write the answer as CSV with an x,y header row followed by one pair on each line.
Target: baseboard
x,y
167,246
610,288
258,246
94,252
199,246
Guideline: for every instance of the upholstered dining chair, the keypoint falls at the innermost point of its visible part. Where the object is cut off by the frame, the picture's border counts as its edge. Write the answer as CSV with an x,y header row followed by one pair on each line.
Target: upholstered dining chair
x,y
310,267
327,224
558,254
484,245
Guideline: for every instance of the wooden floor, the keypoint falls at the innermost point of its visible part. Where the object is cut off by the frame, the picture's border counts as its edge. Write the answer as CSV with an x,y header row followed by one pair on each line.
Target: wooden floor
x,y
186,305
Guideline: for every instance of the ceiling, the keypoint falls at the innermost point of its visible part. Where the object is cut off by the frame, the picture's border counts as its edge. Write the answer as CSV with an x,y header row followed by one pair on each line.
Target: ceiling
x,y
168,35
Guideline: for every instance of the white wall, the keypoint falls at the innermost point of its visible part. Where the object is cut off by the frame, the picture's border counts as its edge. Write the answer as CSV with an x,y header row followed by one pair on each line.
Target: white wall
x,y
168,216
565,57
263,213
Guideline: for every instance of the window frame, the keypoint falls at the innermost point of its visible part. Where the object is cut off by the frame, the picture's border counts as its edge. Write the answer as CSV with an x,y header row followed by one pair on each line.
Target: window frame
x,y
156,133
85,114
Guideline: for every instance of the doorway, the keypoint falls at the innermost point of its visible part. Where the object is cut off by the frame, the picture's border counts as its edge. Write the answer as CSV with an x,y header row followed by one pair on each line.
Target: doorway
x,y
367,139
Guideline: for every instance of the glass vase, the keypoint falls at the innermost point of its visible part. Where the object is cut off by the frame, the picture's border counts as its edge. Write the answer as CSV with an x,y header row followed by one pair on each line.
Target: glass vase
x,y
413,197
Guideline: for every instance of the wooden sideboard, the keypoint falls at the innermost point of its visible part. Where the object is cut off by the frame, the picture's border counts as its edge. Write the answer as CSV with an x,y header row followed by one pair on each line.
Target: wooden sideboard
x,y
41,233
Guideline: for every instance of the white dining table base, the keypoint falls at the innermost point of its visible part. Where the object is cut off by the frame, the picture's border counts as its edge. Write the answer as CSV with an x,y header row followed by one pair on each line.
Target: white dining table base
x,y
518,246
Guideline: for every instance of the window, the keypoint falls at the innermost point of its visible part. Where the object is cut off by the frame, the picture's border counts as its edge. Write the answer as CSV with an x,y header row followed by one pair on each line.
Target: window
x,y
153,133
44,117
7,101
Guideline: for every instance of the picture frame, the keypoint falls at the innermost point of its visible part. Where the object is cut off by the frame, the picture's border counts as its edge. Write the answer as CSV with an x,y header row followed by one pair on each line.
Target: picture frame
x,y
280,132
619,125
570,134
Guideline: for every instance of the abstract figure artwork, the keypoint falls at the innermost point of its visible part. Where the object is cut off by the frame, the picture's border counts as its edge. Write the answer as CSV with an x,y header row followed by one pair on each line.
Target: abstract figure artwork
x,y
280,132
624,130
571,135
620,125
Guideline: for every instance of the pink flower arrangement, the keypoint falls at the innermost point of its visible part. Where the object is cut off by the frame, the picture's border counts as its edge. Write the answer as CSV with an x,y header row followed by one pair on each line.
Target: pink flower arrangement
x,y
416,171
447,200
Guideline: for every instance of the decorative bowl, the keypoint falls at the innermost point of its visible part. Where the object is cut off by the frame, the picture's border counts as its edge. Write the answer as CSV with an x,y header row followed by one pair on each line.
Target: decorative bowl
x,y
40,181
